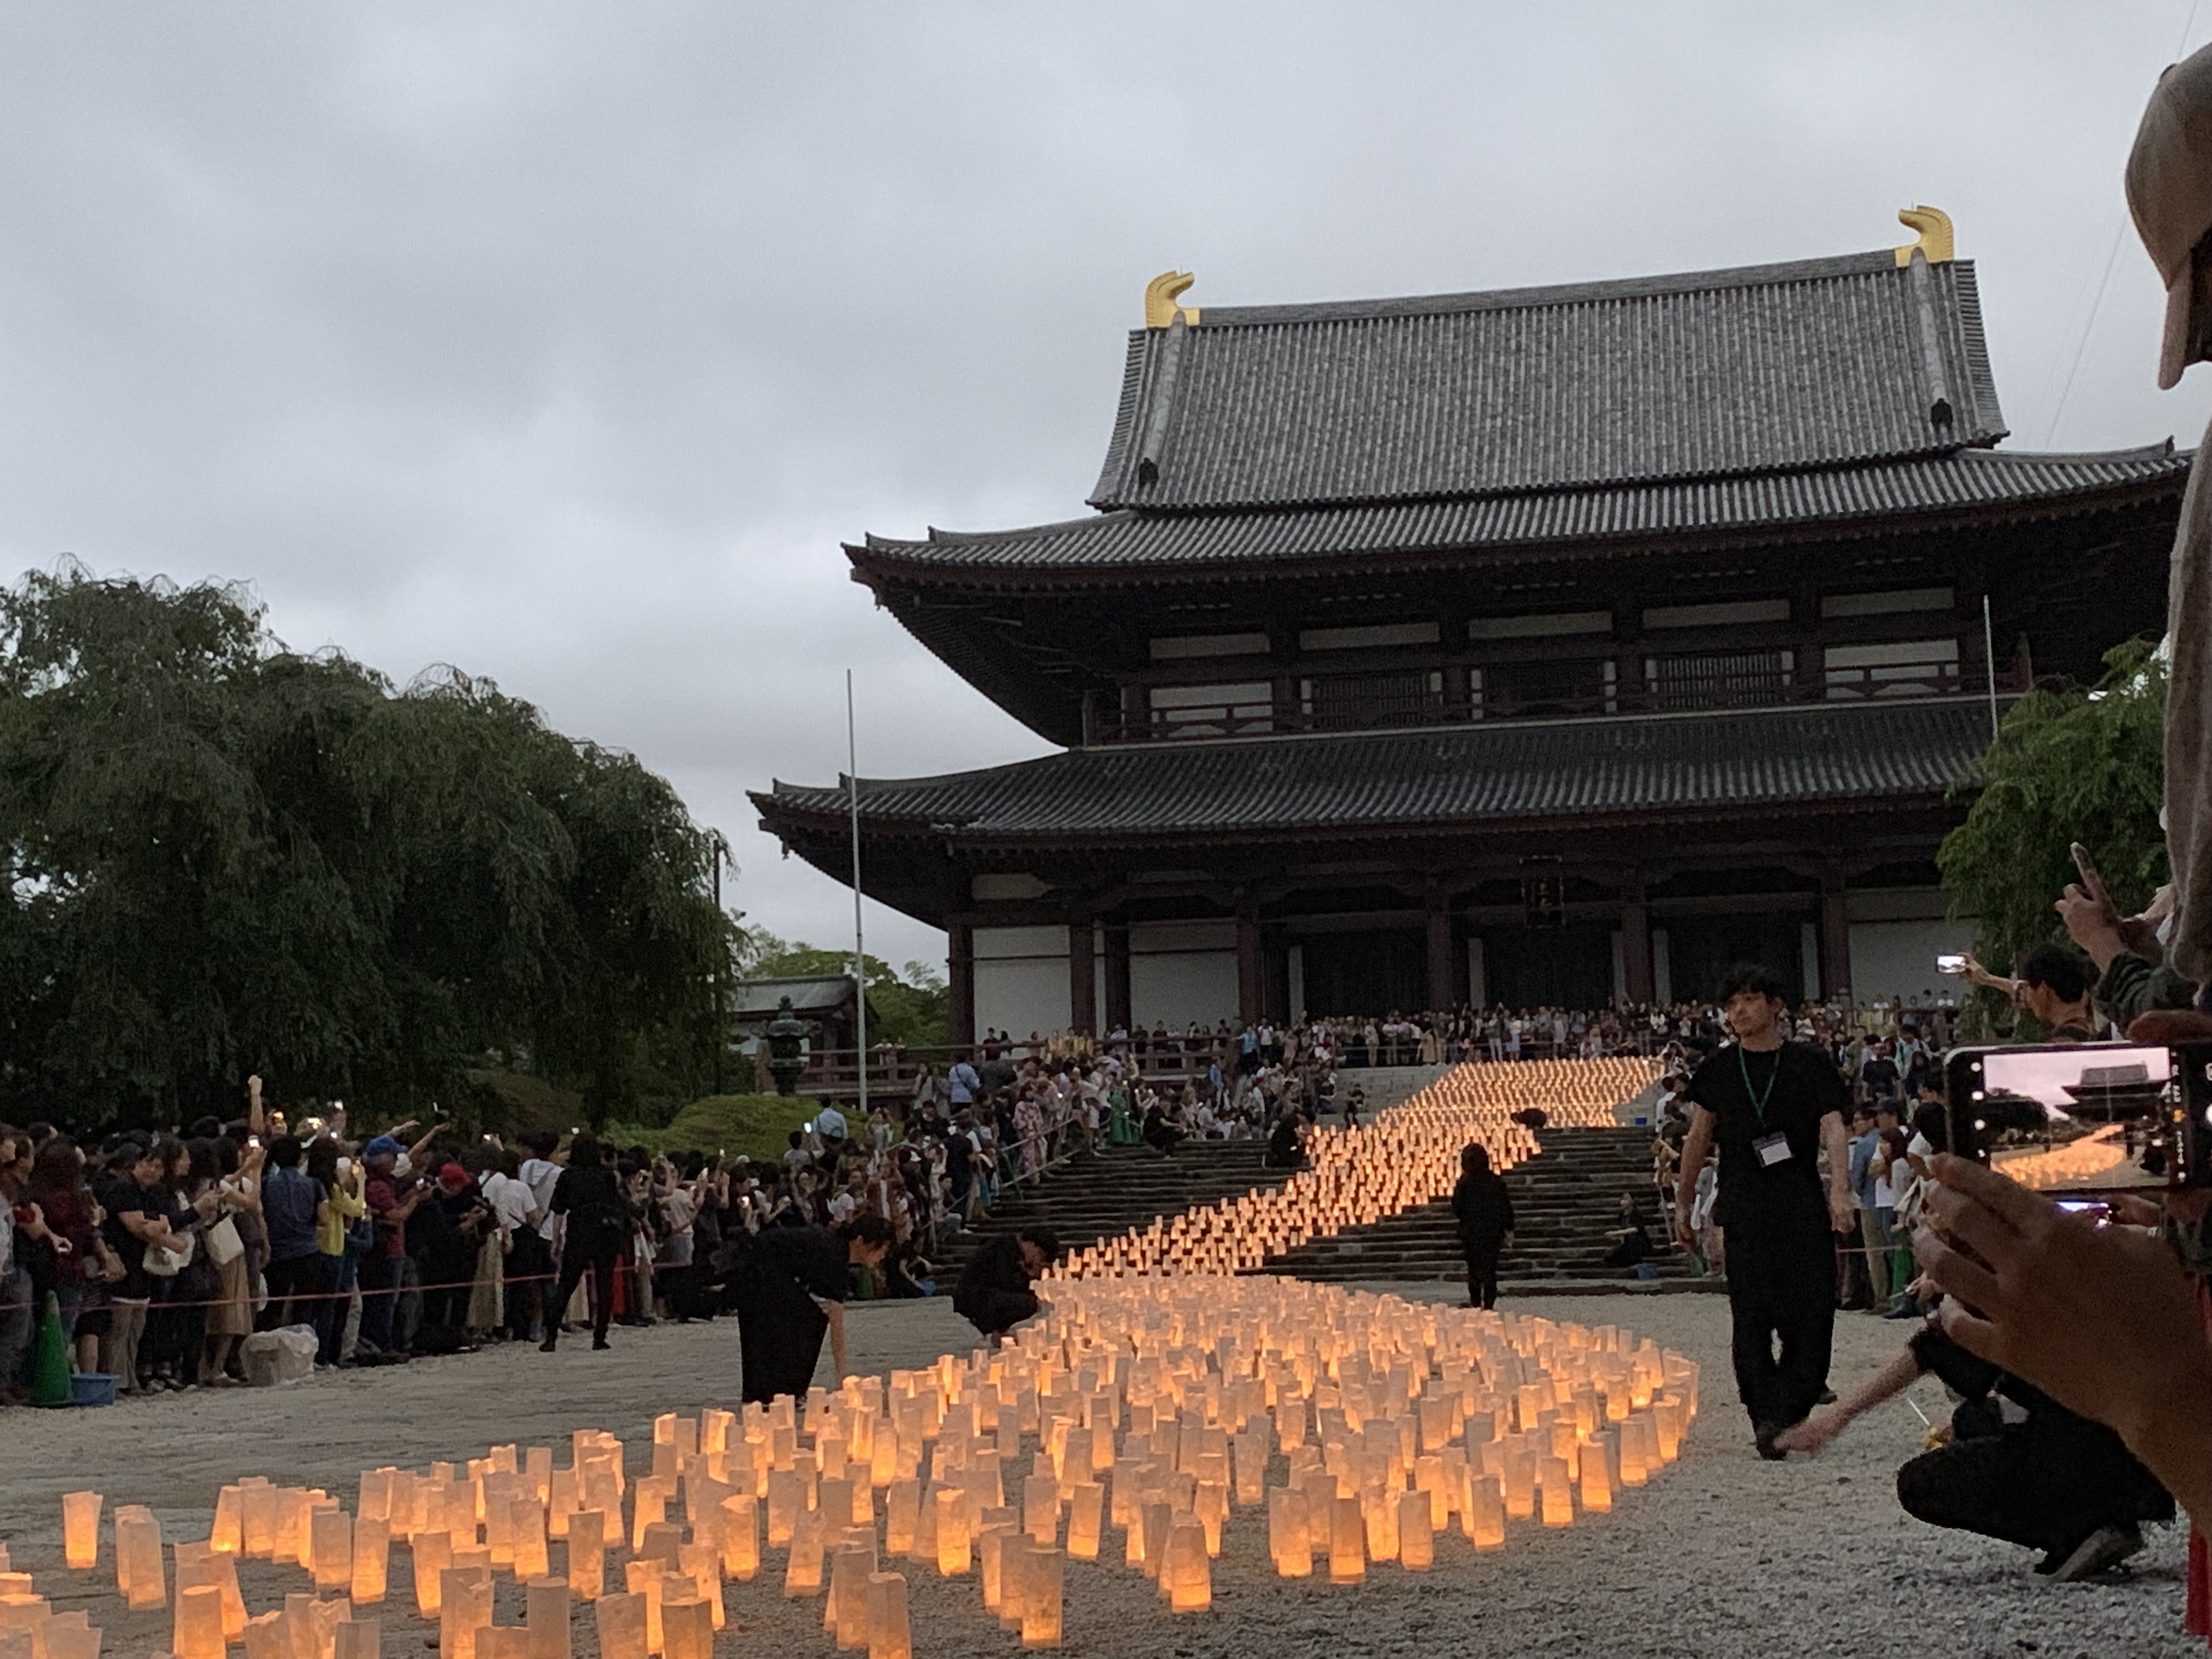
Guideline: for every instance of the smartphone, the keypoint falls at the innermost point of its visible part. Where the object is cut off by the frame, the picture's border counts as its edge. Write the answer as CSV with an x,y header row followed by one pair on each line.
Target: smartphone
x,y
1950,962
2084,1118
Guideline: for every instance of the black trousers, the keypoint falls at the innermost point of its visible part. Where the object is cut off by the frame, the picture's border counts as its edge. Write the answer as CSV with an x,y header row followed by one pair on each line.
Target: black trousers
x,y
1781,1285
528,1258
1481,1273
779,1332
2047,1483
994,1311
601,1264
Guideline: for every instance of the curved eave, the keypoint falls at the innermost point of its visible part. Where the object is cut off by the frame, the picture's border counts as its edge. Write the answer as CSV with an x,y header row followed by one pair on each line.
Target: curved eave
x,y
999,561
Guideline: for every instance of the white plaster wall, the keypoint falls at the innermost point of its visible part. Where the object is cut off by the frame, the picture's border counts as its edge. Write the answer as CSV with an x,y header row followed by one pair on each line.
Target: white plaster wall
x,y
1179,971
1895,960
1021,980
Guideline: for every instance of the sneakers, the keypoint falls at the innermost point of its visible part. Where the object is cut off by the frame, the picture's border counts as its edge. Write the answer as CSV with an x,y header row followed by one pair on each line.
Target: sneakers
x,y
2101,1551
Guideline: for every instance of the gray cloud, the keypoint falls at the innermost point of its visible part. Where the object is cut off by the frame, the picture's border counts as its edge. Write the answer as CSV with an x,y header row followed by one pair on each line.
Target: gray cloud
x,y
566,343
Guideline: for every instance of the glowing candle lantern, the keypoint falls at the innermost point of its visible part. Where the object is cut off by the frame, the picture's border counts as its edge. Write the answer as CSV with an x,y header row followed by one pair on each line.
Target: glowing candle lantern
x,y
330,1543
890,1636
81,1530
198,1629
1041,1508
561,1501
291,1536
1485,1517
371,1545
901,1516
226,1537
72,1635
1290,1540
1347,1542
257,1518
740,1536
532,1557
649,1579
649,1508
463,1608
687,1629
1043,1580
432,1553
359,1639
546,1618
587,1553
1379,1512
266,1638
1251,1461
663,1538
1416,1532
1520,1483
954,1552
1596,1481
787,1497
1085,1510
802,1570
1187,1573
139,1570
700,1566
845,1609
221,1571
620,1621
1639,1449
1557,1488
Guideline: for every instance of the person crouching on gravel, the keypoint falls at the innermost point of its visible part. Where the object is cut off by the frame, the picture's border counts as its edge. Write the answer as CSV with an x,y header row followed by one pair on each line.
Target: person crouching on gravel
x,y
994,1294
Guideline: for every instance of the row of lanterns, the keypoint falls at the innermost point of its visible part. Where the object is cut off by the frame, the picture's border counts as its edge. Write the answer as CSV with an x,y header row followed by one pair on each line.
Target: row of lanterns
x,y
1154,1426
1408,1156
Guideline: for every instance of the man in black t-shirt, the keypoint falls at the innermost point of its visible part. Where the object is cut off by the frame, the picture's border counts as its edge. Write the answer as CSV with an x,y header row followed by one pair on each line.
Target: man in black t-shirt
x,y
1771,1106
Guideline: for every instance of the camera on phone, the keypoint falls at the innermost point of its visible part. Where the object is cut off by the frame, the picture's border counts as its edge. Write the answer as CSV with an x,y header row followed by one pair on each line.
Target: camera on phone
x,y
2085,1119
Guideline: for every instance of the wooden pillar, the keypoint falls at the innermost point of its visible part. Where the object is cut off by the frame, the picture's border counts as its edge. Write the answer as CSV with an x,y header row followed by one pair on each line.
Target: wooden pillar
x,y
1251,988
1636,949
960,984
1441,977
1082,978
1117,975
1835,941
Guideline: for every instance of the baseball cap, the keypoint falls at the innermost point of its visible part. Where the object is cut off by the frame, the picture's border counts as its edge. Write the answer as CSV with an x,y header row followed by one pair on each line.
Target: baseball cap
x,y
2169,184
382,1147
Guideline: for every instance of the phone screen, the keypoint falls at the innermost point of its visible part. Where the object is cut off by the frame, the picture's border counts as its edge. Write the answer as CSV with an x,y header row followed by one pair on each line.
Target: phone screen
x,y
2086,1117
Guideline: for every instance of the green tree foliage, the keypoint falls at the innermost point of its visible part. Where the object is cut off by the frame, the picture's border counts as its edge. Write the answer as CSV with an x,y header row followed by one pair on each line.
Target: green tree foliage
x,y
2068,765
910,1006
224,857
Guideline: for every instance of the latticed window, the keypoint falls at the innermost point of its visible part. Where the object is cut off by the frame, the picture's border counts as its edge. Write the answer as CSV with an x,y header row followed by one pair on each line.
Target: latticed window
x,y
1397,697
1719,679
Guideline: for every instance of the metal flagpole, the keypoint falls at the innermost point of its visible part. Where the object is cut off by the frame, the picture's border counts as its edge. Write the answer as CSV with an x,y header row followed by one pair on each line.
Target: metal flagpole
x,y
860,955
1989,665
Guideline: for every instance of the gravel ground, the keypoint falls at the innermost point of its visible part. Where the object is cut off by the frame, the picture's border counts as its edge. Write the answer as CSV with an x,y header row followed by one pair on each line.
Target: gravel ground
x,y
1722,1555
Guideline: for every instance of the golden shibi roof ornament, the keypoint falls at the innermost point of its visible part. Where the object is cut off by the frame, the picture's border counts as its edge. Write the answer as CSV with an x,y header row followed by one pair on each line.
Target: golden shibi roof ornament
x,y
1161,295
1935,228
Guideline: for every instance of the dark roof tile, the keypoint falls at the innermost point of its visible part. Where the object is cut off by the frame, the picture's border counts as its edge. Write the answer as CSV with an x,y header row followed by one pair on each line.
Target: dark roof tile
x,y
1137,541
1461,776
1706,374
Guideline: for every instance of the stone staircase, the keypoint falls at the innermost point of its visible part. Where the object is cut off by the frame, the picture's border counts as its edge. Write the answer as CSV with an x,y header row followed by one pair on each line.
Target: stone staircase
x,y
1564,1205
1118,1187
1382,1087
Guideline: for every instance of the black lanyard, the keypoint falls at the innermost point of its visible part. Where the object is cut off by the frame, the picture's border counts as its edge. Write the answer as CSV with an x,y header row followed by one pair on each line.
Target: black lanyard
x,y
1758,1101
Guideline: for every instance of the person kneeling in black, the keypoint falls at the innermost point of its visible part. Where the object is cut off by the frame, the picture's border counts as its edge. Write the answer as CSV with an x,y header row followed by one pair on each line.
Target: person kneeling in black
x,y
2019,1467
790,1289
994,1294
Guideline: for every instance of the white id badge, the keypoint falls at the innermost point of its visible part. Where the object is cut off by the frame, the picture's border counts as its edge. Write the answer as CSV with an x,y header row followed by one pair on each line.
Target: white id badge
x,y
1772,1149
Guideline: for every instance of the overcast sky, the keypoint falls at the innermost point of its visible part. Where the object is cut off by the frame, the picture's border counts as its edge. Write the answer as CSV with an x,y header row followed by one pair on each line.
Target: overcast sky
x,y
566,343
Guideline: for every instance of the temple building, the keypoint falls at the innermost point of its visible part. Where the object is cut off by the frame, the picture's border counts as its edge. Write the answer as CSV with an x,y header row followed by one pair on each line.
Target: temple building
x,y
1550,645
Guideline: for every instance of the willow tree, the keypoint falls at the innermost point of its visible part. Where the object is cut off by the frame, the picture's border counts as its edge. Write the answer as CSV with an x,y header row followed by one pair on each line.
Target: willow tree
x,y
224,857
2068,765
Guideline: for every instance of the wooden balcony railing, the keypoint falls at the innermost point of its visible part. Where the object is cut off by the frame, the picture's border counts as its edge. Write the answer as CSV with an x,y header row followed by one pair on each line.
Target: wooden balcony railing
x,y
1638,697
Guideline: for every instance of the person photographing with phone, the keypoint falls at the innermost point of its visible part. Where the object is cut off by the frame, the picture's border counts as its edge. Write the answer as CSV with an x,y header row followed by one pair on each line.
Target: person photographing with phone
x,y
1772,1108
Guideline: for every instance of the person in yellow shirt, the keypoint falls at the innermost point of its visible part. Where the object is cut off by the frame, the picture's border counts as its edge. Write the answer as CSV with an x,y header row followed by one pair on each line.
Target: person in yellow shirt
x,y
339,1180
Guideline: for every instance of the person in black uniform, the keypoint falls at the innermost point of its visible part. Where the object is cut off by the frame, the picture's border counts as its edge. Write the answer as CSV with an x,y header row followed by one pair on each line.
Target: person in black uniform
x,y
790,1291
1771,1106
1484,1210
994,1294
594,1231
